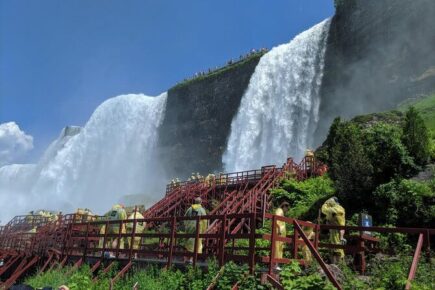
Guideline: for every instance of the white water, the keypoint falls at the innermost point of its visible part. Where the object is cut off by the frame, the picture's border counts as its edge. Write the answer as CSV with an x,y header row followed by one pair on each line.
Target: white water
x,y
113,155
279,110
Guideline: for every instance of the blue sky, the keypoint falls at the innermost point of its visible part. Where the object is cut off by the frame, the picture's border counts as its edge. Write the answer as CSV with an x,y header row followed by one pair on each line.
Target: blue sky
x,y
60,59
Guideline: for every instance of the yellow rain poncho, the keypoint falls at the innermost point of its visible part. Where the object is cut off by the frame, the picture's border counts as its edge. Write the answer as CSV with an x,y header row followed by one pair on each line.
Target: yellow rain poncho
x,y
306,253
281,231
140,227
190,226
116,213
335,215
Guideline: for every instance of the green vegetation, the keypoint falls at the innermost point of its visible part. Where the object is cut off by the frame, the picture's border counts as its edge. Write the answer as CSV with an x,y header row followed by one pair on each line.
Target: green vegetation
x,y
293,278
406,203
305,197
150,278
426,107
416,136
365,153
371,160
221,70
385,273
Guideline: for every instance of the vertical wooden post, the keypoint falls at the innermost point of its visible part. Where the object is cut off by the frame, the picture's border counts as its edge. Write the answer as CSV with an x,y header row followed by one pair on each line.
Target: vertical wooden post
x,y
86,242
171,242
316,236
195,250
272,245
132,235
222,241
104,249
295,241
252,244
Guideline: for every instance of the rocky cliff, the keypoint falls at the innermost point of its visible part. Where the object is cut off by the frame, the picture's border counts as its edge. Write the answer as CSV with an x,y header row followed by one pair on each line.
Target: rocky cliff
x,y
379,53
198,118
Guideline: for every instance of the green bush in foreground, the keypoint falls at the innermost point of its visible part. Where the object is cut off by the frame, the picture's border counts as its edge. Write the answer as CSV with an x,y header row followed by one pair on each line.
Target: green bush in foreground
x,y
149,278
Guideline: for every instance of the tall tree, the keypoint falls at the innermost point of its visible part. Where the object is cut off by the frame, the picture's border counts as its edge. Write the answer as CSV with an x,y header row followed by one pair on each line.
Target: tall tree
x,y
416,137
350,166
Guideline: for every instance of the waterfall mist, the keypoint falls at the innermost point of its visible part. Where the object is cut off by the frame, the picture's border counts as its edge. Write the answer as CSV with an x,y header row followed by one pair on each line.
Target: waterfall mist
x,y
111,156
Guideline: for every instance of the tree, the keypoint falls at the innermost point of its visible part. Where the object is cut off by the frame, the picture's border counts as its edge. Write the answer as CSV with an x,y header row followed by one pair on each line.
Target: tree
x,y
416,137
388,155
350,167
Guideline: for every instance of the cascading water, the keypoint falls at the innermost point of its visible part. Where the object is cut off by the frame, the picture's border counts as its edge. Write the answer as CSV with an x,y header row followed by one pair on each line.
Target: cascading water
x,y
279,110
113,155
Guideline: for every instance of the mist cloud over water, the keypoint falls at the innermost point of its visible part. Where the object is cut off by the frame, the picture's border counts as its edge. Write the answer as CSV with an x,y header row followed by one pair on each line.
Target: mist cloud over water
x,y
111,156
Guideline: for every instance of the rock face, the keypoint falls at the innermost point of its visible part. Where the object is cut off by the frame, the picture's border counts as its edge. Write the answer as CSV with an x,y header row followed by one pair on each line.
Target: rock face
x,y
379,53
198,118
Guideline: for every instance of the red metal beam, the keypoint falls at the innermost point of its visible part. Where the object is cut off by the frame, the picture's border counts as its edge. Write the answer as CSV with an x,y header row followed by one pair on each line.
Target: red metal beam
x,y
95,266
274,282
17,274
50,257
121,273
414,264
10,262
316,255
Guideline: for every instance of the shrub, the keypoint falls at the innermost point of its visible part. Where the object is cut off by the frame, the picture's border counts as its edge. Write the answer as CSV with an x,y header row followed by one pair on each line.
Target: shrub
x,y
305,197
404,202
293,278
362,156
388,155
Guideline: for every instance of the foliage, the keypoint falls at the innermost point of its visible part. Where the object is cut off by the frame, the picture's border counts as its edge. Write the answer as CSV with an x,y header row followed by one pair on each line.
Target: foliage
x,y
349,163
150,278
363,154
48,278
432,147
391,273
304,196
406,203
293,278
416,136
393,243
388,155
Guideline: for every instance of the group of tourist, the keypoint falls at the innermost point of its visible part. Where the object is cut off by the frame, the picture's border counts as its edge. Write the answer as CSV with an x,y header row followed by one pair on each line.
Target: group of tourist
x,y
230,62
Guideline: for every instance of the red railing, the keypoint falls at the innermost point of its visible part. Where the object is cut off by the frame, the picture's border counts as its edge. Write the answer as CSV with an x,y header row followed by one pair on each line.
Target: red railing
x,y
164,240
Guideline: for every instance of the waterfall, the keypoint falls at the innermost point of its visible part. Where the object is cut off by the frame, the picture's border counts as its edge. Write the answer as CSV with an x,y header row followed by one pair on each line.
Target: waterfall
x,y
279,111
94,166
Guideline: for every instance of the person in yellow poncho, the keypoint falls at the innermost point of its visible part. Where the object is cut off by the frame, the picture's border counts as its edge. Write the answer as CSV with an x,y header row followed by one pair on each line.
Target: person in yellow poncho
x,y
140,227
116,213
306,253
190,225
281,231
335,215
